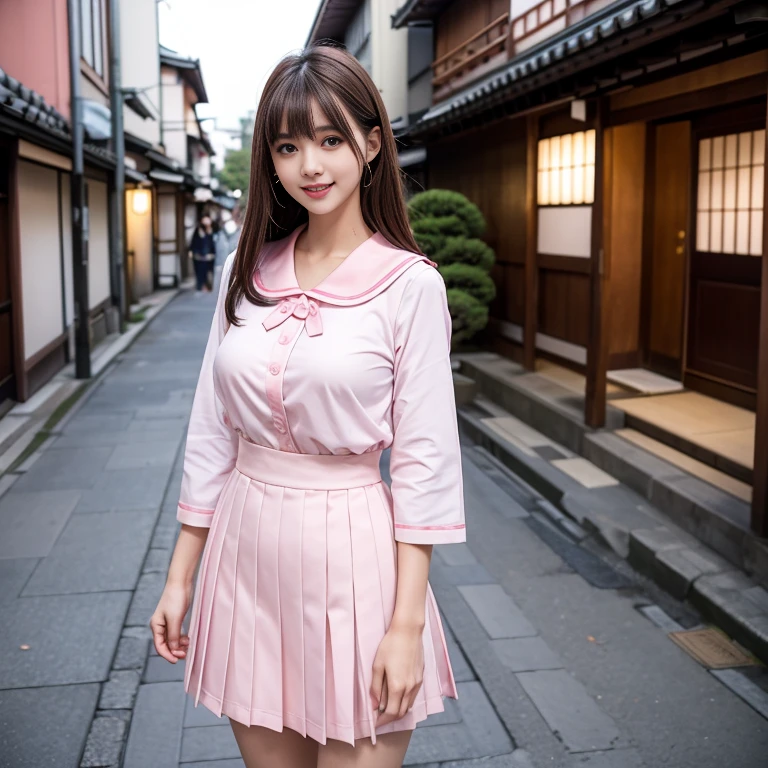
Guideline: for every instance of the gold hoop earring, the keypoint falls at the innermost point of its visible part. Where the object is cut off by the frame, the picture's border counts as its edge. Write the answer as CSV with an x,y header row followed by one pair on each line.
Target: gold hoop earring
x,y
272,187
370,175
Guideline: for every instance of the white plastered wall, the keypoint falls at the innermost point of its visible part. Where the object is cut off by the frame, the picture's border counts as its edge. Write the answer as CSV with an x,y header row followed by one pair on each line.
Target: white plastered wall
x,y
41,278
140,62
390,58
98,243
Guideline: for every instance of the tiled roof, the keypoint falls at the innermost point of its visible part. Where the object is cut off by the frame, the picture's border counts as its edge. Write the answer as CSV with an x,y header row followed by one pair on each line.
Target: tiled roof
x,y
31,110
25,104
617,23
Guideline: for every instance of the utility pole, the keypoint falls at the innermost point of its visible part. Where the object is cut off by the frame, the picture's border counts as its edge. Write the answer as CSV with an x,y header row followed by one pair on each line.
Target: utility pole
x,y
79,207
118,147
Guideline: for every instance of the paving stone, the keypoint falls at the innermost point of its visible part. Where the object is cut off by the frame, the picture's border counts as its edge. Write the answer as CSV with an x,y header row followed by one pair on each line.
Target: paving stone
x,y
119,692
461,574
165,535
164,426
496,611
64,469
84,557
456,554
156,728
157,560
140,455
462,672
158,670
645,543
743,687
481,733
45,726
215,742
131,653
31,522
438,744
14,574
613,758
145,599
87,423
676,573
128,437
105,742
517,759
450,715
487,731
126,490
216,764
525,654
72,638
569,710
758,596
200,716
585,473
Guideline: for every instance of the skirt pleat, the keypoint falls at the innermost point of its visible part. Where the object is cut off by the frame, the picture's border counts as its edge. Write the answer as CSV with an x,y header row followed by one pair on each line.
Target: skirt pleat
x,y
295,591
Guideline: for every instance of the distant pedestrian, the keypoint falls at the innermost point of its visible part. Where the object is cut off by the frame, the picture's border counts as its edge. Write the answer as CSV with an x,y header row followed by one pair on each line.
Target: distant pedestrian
x,y
202,251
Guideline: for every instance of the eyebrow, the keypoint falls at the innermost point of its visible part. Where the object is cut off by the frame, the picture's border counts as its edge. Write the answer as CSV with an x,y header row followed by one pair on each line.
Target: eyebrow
x,y
318,129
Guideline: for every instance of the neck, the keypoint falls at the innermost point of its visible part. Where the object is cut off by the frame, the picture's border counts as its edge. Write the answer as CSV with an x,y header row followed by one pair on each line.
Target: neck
x,y
335,233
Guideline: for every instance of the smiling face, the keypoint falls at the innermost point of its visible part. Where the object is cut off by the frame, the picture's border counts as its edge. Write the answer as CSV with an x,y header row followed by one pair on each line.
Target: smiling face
x,y
323,172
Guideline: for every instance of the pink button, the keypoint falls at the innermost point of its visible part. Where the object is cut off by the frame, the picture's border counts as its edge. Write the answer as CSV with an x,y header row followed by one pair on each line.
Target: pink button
x,y
283,309
274,369
279,426
284,339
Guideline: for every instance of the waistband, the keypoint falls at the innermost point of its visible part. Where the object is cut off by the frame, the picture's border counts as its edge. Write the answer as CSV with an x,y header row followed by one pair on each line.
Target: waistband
x,y
319,472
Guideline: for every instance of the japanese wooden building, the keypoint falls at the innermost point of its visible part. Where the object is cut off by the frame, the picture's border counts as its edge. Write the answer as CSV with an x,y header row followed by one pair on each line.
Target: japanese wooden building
x,y
617,150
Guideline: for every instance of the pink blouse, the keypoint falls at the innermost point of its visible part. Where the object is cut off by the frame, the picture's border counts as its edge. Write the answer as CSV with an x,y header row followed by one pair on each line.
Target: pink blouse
x,y
359,363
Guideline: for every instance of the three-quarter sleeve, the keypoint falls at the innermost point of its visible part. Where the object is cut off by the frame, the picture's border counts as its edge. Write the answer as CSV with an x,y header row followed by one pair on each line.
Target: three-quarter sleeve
x,y
425,460
211,447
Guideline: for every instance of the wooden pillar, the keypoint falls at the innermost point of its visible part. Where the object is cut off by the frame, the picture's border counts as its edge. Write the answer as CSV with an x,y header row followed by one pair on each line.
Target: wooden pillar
x,y
759,521
531,238
597,344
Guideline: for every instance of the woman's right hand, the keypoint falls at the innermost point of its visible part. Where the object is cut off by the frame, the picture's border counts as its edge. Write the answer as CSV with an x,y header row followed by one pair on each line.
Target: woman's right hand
x,y
167,619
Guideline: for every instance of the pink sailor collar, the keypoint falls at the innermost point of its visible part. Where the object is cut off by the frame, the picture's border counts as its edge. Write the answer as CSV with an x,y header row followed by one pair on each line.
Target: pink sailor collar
x,y
365,272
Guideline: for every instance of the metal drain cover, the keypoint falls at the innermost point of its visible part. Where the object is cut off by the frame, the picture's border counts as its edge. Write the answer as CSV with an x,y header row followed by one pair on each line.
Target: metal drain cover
x,y
711,648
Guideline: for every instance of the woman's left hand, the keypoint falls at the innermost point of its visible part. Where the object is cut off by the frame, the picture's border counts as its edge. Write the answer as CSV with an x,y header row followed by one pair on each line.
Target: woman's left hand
x,y
398,671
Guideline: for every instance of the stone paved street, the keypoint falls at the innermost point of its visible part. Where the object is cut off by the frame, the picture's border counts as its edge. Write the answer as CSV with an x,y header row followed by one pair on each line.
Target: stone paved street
x,y
556,663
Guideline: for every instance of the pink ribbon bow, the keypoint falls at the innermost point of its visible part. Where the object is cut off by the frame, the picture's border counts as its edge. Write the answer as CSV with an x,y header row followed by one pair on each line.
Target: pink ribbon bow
x,y
302,308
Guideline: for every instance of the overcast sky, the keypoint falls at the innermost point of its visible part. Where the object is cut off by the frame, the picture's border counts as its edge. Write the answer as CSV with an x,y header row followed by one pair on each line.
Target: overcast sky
x,y
238,43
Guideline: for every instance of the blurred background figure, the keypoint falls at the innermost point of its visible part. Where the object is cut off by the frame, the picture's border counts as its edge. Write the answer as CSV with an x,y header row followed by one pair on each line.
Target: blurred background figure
x,y
202,250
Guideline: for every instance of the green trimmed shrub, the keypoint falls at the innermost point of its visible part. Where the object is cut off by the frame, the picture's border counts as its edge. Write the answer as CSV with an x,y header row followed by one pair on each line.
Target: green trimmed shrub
x,y
467,313
464,250
447,227
467,277
430,244
436,203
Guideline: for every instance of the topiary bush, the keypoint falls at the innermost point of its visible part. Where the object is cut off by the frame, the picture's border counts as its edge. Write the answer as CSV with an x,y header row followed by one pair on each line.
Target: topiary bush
x,y
447,227
437,203
471,279
467,313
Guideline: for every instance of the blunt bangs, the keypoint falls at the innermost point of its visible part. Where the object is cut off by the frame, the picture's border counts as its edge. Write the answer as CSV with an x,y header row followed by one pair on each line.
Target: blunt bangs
x,y
290,105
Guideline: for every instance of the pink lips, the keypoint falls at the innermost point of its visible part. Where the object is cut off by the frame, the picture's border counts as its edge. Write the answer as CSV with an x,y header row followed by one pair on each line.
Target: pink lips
x,y
321,193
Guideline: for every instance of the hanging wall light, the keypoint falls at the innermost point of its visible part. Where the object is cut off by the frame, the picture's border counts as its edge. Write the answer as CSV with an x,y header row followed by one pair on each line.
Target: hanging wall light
x,y
140,201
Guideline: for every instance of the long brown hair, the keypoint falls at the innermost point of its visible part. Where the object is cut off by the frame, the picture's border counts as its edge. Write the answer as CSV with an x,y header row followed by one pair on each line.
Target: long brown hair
x,y
332,77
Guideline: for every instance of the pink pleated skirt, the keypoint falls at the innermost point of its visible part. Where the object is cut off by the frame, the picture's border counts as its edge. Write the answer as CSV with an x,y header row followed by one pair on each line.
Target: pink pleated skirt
x,y
295,591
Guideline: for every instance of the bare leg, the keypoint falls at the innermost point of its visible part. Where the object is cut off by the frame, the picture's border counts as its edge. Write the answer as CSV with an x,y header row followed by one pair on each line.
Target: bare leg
x,y
264,748
389,752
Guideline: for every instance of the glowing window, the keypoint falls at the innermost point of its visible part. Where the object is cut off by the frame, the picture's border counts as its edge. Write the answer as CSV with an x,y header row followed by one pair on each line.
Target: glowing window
x,y
729,208
567,169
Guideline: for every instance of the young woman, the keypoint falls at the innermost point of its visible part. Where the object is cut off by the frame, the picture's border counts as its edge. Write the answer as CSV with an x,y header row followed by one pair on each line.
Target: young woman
x,y
314,628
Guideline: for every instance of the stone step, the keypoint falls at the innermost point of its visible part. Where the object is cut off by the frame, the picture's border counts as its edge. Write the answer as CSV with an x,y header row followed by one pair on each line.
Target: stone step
x,y
622,518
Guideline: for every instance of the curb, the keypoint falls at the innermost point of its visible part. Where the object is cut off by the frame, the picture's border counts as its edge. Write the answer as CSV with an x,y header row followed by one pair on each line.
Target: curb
x,y
639,533
62,387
